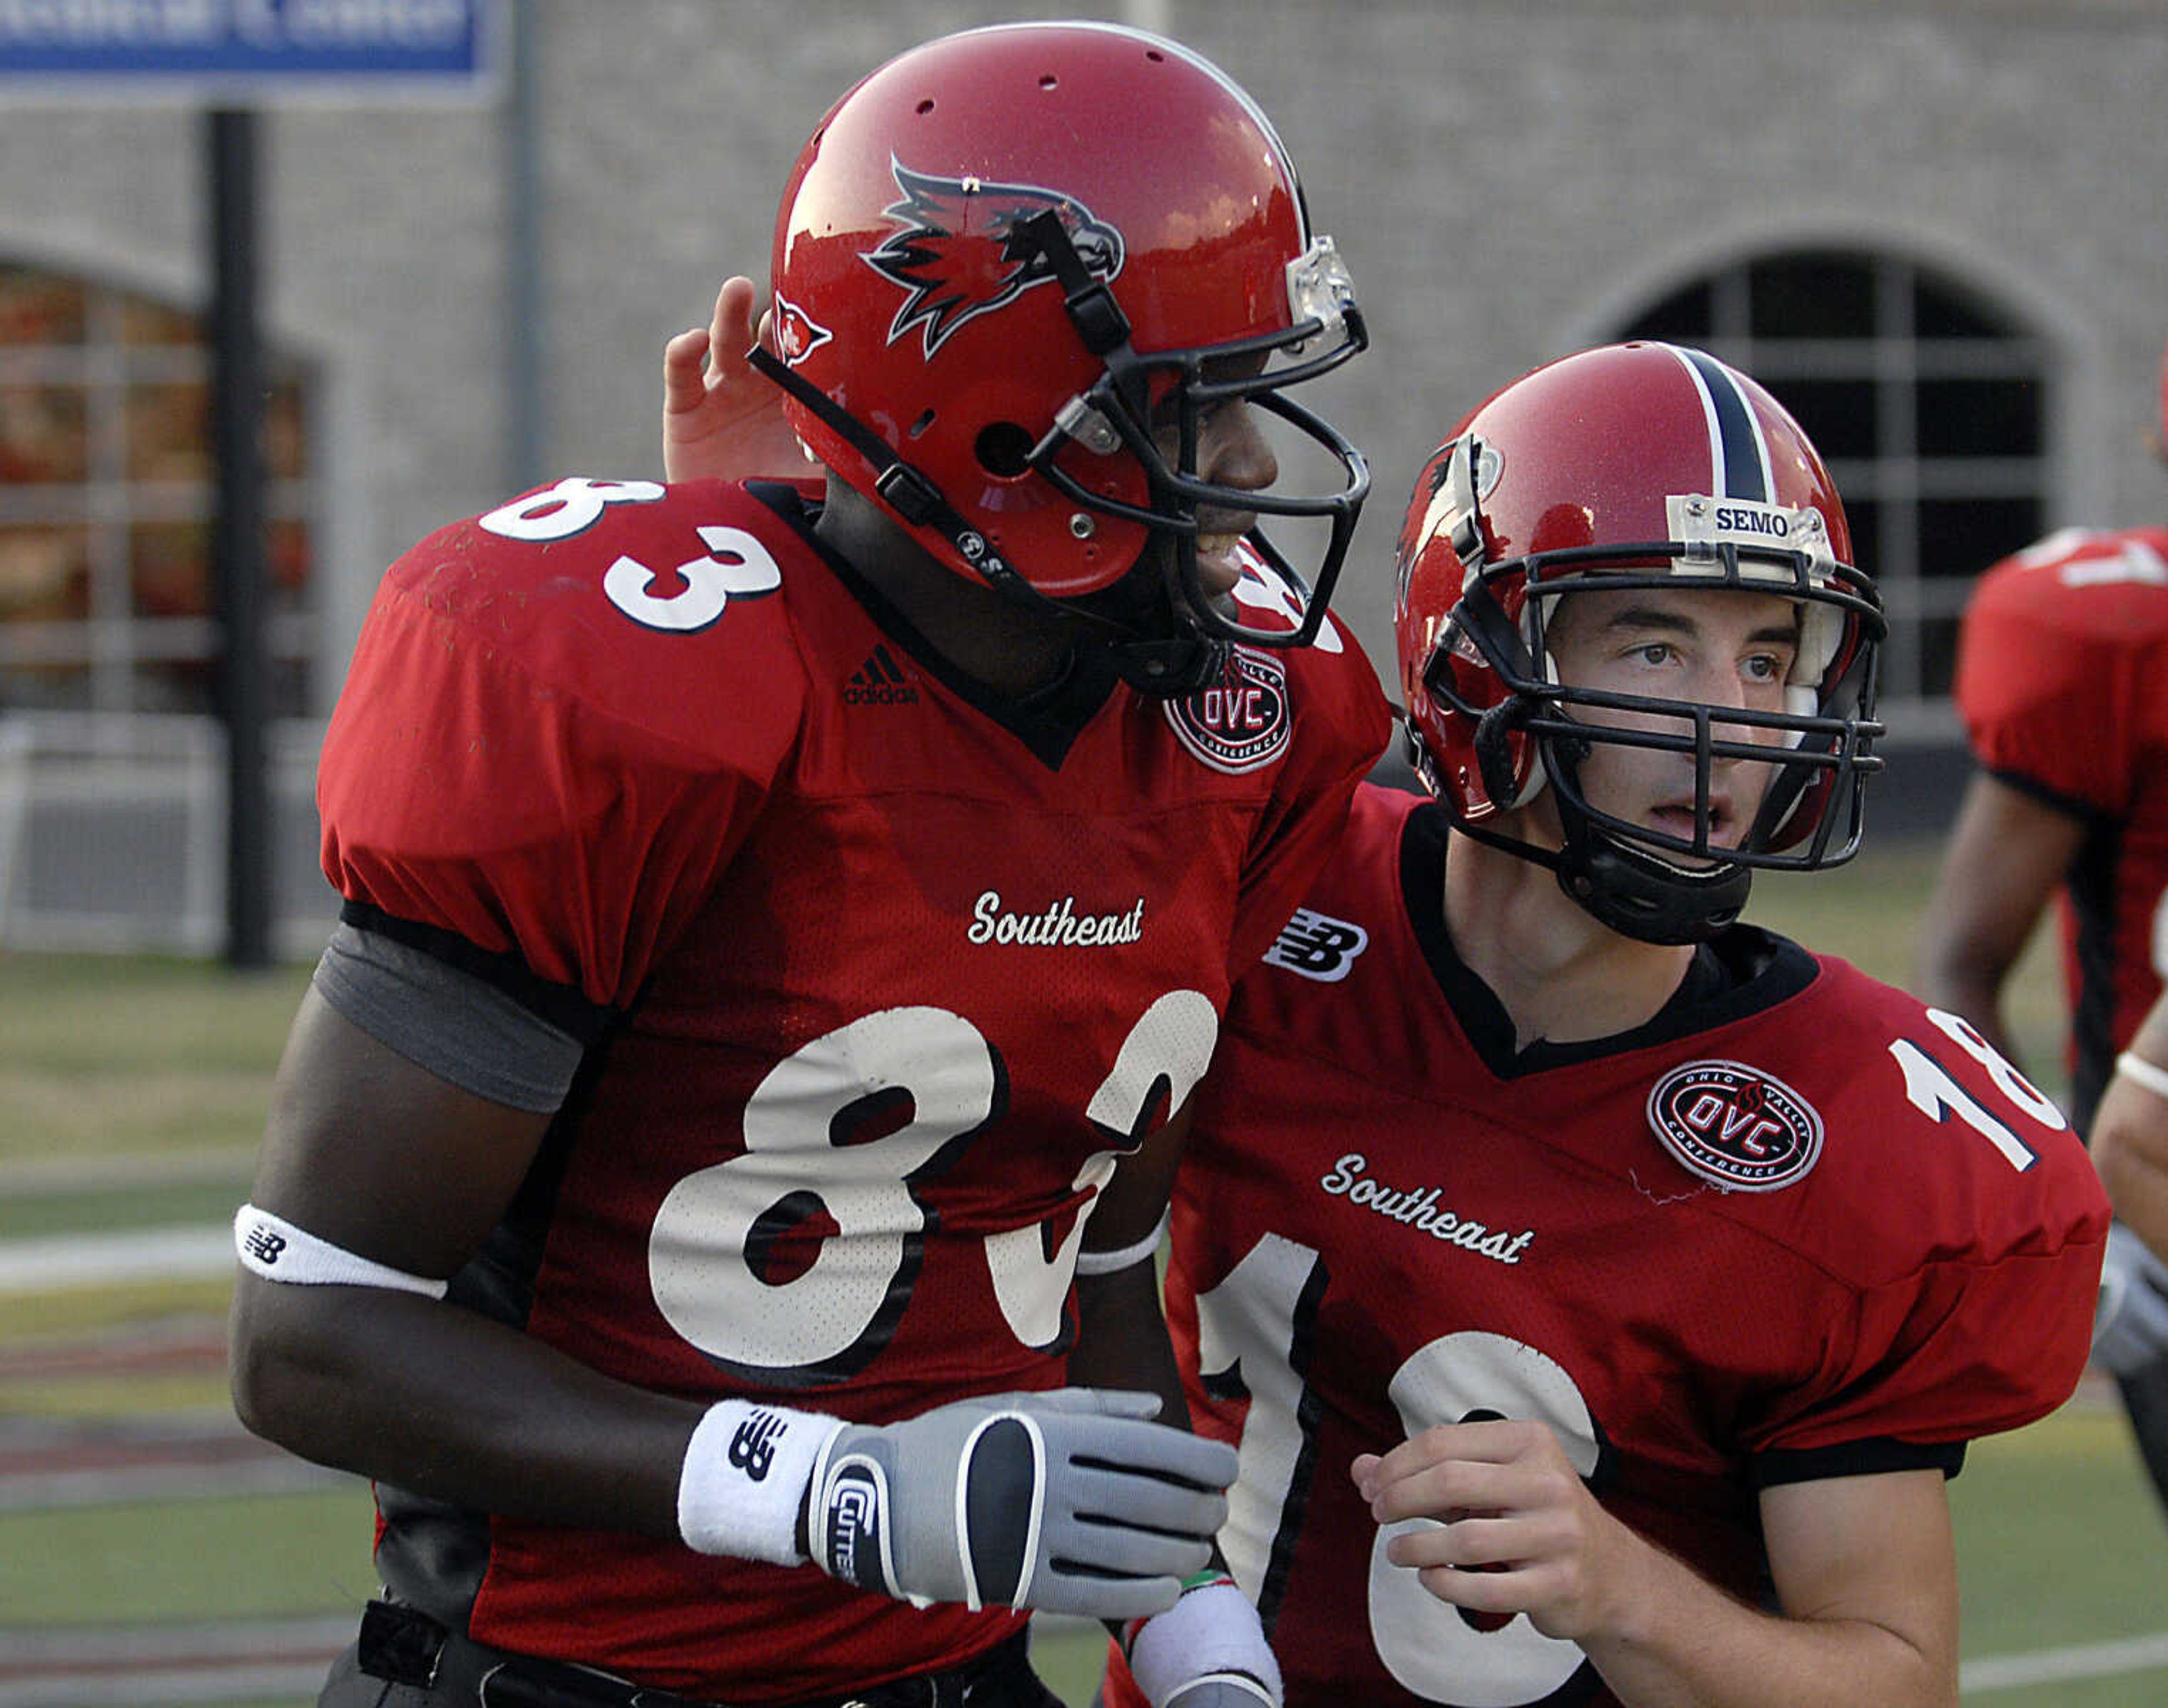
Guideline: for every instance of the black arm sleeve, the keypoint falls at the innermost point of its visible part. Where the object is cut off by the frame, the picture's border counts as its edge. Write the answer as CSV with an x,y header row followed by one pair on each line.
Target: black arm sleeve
x,y
452,1022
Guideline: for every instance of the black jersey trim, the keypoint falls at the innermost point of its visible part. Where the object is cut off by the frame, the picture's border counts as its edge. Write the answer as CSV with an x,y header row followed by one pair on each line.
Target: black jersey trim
x,y
1870,1457
2091,885
1744,971
1047,721
461,1028
560,1004
2033,789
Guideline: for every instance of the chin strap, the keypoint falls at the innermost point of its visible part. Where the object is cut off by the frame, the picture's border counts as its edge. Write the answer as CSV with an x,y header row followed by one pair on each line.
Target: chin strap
x,y
1642,897
1136,608
1634,891
1623,888
903,488
1118,617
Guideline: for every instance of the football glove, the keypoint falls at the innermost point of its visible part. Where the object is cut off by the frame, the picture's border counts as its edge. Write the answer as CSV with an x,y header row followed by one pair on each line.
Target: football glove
x,y
1068,1502
2130,1321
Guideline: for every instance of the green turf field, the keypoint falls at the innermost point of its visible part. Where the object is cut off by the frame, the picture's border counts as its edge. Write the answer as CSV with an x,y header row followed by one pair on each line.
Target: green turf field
x,y
134,1089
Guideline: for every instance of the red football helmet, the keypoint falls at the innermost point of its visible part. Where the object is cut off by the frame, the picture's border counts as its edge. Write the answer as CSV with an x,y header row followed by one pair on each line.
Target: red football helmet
x,y
1001,257
1634,465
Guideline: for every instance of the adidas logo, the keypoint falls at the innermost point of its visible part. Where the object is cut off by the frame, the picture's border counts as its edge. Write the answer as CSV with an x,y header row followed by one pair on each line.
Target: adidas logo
x,y
878,682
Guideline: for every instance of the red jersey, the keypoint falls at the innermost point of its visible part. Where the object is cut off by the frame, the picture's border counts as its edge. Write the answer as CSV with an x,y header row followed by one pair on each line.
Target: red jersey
x,y
1796,1226
2060,663
893,971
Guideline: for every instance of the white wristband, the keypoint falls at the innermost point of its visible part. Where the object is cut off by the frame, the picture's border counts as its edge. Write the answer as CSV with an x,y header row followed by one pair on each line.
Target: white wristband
x,y
1210,1631
1107,1262
744,1479
2140,1072
274,1247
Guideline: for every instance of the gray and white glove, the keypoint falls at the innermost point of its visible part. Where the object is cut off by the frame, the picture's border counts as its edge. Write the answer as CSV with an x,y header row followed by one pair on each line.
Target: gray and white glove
x,y
2130,1321
1068,1502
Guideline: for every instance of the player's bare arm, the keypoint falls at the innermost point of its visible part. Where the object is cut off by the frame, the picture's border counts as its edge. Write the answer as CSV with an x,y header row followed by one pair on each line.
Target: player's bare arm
x,y
2129,1144
383,1160
1864,1568
1121,1327
2130,1137
720,420
1210,1650
2006,856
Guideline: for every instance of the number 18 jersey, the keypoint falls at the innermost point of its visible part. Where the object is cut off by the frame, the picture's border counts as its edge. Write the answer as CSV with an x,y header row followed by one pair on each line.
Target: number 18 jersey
x,y
1794,1226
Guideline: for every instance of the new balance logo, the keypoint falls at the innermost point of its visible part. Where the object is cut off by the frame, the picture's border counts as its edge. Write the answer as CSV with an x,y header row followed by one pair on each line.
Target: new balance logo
x,y
752,1448
263,1245
1318,947
878,682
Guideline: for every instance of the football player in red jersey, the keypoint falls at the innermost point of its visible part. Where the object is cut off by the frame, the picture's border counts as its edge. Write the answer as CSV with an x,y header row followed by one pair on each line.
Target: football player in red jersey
x,y
2060,658
778,930
1648,1272
1651,1272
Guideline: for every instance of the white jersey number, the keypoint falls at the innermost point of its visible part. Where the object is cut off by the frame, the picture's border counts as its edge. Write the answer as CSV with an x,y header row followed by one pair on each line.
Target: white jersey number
x,y
1936,1094
819,1169
571,506
2135,560
1255,1332
737,565
684,600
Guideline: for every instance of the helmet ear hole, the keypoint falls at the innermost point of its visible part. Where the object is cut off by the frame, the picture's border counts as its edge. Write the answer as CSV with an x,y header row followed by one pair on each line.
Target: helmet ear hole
x,y
1003,450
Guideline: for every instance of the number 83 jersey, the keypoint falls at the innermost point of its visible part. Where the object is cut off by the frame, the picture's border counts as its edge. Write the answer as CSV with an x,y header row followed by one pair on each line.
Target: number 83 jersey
x,y
1794,1226
885,975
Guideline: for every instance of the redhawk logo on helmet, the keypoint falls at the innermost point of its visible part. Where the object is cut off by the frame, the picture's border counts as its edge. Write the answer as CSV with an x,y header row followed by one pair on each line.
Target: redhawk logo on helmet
x,y
960,254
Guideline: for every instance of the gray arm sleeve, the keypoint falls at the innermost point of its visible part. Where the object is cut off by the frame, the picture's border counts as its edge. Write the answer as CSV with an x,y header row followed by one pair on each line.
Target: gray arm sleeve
x,y
459,1027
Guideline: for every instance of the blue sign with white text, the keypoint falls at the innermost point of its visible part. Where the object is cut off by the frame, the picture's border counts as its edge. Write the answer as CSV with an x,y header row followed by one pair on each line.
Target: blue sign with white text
x,y
358,50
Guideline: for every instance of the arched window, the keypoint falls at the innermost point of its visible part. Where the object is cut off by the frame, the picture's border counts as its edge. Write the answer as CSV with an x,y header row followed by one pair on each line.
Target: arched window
x,y
106,500
1930,406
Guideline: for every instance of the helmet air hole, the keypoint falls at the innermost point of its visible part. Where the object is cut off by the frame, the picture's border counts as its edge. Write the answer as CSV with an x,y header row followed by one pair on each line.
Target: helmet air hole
x,y
925,107
1004,450
919,427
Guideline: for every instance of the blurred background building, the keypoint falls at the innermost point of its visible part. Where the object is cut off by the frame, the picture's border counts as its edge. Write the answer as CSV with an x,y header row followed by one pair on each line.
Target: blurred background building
x,y
1937,228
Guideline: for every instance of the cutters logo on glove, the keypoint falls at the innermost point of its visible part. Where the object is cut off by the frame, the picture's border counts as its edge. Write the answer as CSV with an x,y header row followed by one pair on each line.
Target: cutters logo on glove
x,y
854,1538
1068,1502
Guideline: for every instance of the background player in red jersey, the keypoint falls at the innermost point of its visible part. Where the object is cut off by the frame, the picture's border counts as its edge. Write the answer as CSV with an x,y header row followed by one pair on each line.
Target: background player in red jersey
x,y
777,929
1679,1263
2061,657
